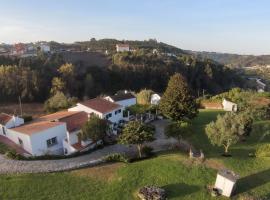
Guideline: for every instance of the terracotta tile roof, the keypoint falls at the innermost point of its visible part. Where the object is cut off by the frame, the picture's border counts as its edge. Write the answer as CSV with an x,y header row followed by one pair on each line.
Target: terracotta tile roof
x,y
36,127
101,105
75,121
4,118
57,116
122,96
78,146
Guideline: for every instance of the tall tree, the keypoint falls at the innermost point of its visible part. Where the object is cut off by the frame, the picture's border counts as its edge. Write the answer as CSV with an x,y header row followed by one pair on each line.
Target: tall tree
x,y
94,129
136,133
178,103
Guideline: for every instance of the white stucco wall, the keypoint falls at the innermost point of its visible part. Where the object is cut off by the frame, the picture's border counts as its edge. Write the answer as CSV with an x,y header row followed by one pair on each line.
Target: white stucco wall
x,y
224,185
229,106
86,109
70,149
73,137
114,119
39,141
14,122
14,136
127,102
122,48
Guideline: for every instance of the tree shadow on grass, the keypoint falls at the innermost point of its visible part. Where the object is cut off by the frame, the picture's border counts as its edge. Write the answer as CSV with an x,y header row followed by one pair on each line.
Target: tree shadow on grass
x,y
252,181
179,189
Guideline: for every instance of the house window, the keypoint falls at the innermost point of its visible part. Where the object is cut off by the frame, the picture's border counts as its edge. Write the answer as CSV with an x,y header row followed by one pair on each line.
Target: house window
x,y
20,141
4,130
108,115
117,111
51,142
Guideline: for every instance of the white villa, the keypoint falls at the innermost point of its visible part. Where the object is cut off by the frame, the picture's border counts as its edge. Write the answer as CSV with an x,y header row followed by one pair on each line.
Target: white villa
x,y
229,106
101,107
122,47
58,133
124,99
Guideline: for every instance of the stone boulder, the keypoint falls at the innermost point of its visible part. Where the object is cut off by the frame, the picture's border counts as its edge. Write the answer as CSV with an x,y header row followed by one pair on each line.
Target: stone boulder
x,y
152,193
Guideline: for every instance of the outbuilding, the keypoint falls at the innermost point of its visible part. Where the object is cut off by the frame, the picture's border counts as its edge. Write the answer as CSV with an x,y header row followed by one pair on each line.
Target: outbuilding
x,y
225,182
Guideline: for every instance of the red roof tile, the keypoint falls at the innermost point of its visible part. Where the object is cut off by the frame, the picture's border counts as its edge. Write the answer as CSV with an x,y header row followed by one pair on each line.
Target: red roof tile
x,y
5,118
57,116
101,105
36,127
75,121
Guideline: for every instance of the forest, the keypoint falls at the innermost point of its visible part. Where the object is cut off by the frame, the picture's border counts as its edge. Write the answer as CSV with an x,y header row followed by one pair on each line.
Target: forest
x,y
35,79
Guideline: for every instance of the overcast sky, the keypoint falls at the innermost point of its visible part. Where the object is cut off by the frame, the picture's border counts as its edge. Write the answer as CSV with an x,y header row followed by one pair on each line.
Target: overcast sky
x,y
232,26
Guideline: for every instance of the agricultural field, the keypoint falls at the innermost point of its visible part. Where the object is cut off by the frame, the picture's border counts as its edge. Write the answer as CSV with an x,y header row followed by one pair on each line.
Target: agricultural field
x,y
181,177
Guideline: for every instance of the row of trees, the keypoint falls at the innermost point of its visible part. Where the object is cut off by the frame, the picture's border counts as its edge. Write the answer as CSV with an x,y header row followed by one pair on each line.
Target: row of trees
x,y
38,78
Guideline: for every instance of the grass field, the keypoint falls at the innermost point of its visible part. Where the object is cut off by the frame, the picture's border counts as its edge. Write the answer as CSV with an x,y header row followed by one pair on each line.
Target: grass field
x,y
182,178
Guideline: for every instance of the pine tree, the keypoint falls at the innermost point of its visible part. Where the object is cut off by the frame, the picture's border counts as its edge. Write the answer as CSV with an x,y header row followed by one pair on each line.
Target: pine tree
x,y
177,103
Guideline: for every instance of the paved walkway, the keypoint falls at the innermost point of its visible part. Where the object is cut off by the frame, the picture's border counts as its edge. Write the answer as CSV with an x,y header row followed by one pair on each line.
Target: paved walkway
x,y
91,159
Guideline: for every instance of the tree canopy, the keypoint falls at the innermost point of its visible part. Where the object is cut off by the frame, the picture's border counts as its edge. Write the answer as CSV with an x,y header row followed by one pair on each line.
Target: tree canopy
x,y
136,133
94,129
178,103
227,130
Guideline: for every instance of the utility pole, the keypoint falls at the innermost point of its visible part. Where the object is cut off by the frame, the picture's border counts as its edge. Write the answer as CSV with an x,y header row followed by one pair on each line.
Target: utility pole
x,y
20,104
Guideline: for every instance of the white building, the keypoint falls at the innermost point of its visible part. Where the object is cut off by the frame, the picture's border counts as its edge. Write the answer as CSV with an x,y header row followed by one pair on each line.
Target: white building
x,y
155,98
225,182
125,99
58,133
122,47
102,108
54,134
9,121
229,106
44,48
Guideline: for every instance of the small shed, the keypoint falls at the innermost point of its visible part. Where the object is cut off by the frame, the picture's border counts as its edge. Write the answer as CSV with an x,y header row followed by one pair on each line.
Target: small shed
x,y
225,182
229,106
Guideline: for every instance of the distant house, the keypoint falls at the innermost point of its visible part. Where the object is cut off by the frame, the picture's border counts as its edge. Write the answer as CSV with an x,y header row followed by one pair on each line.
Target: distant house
x,y
44,47
155,98
229,106
122,47
9,121
103,108
124,99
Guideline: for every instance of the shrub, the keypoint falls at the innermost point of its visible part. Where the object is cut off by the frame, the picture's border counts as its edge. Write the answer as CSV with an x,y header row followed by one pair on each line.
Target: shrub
x,y
12,154
116,157
147,151
263,151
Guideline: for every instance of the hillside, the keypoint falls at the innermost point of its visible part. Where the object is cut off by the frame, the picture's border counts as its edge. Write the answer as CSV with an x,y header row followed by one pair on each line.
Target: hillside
x,y
234,60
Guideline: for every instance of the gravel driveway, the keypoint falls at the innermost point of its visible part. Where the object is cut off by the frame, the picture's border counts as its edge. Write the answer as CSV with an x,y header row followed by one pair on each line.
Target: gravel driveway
x,y
91,159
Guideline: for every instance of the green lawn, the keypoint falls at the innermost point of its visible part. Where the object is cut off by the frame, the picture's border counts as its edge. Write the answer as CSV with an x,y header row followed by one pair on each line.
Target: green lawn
x,y
181,178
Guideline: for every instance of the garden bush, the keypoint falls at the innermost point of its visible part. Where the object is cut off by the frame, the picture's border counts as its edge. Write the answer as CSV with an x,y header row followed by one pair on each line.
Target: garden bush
x,y
116,157
263,151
